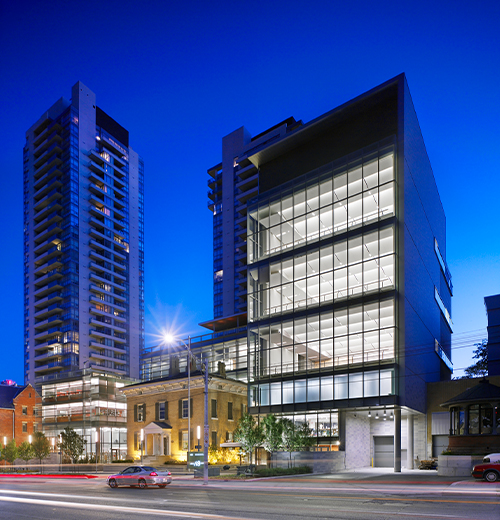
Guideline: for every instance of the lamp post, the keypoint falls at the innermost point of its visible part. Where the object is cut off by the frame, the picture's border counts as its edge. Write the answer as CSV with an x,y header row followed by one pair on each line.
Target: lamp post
x,y
142,441
29,438
96,443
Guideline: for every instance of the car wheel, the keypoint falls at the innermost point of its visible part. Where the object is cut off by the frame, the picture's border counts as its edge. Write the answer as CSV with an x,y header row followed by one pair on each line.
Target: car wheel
x,y
491,476
112,483
142,483
162,486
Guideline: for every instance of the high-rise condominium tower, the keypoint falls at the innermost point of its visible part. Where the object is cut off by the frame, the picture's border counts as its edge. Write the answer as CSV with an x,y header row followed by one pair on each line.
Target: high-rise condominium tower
x,y
83,243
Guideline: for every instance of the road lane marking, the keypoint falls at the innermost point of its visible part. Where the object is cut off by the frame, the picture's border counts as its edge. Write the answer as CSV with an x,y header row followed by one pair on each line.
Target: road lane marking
x,y
128,510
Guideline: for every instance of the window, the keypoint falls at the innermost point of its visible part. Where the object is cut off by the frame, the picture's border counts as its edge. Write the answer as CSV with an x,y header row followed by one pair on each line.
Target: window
x,y
161,411
230,411
185,411
214,409
229,436
214,435
25,427
25,410
140,412
35,427
184,440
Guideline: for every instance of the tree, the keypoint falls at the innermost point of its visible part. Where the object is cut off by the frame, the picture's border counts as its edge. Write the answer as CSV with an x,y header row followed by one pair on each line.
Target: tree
x,y
480,368
10,452
41,446
25,451
296,438
273,434
72,444
249,434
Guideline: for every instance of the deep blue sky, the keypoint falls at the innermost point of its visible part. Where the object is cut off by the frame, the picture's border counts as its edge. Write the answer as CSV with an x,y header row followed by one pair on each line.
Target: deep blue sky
x,y
181,75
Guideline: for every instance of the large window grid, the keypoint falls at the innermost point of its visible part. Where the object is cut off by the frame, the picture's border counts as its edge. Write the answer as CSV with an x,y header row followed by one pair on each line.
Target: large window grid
x,y
348,268
361,335
356,385
343,198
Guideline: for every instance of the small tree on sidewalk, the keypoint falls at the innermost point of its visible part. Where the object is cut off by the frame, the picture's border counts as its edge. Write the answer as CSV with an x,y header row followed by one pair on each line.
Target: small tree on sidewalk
x,y
10,452
72,444
273,434
249,434
25,451
41,446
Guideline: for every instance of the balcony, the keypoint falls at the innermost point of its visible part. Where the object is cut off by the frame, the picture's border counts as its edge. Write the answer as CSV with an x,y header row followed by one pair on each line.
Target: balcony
x,y
44,179
48,254
114,148
95,277
49,367
47,334
117,317
49,288
46,128
52,241
49,311
48,300
98,301
98,334
50,344
54,148
49,266
42,215
97,323
51,196
44,141
47,188
47,233
49,322
108,291
118,348
99,268
44,168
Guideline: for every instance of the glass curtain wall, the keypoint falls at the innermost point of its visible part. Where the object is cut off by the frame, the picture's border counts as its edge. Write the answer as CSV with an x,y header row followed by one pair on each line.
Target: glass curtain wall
x,y
327,239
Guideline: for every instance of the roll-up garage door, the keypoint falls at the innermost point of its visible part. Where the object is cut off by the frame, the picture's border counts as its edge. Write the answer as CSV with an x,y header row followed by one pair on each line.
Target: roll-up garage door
x,y
383,451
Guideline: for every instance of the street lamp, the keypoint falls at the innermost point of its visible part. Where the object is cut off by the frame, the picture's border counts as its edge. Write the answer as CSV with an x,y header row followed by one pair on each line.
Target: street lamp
x,y
169,339
142,440
96,443
29,437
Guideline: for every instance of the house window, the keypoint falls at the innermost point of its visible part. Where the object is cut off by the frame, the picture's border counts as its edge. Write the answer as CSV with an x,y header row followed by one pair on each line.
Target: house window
x,y
35,427
25,410
229,436
214,409
162,411
141,413
184,441
185,412
230,411
25,427
214,435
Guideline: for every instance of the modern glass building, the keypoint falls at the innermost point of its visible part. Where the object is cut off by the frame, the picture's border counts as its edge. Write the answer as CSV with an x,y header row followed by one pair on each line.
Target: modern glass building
x,y
83,243
348,292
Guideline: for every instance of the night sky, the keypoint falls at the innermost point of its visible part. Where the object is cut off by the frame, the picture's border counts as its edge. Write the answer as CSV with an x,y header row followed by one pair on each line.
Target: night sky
x,y
181,75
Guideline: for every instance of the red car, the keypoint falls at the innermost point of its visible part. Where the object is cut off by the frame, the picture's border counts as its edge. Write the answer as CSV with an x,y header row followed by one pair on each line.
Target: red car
x,y
489,471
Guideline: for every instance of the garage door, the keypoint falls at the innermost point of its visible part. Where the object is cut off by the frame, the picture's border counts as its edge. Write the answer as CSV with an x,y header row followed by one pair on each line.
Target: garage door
x,y
439,444
384,452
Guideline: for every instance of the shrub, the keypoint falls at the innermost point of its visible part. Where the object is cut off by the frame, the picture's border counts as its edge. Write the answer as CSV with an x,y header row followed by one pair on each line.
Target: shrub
x,y
124,461
276,472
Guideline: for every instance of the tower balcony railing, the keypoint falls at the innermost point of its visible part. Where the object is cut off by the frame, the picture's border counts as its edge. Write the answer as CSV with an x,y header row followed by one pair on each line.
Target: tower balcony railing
x,y
120,317
54,148
51,343
49,322
116,187
109,292
114,148
45,188
98,301
52,241
49,288
45,167
120,348
47,127
117,264
48,311
45,212
49,333
52,264
98,245
49,367
100,334
49,354
99,323
96,267
45,201
100,210
97,278
48,300
51,137
48,254
44,179
47,232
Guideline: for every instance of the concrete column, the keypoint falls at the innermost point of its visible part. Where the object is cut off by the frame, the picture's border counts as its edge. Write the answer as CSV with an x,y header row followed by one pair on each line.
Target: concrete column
x,y
342,418
397,440
409,449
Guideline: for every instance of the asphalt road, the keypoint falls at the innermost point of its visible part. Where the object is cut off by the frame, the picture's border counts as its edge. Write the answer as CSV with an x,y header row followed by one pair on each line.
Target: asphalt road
x,y
336,497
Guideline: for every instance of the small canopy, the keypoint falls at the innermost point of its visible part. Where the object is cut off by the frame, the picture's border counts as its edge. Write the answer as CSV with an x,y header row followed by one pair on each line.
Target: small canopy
x,y
483,392
157,427
230,444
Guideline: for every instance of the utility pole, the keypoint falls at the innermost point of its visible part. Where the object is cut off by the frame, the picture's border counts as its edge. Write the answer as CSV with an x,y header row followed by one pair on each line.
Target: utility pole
x,y
205,426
